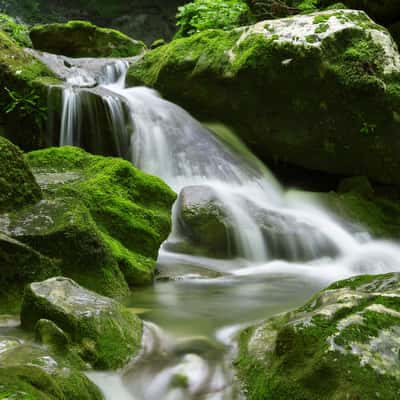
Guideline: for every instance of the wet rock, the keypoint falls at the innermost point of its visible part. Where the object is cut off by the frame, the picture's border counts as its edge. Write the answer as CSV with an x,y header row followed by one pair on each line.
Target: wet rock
x,y
208,223
104,333
335,73
83,39
28,371
344,343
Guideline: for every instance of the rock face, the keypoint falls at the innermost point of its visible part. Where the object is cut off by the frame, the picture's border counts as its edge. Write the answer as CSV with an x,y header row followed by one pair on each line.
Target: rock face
x,y
309,90
101,221
210,227
343,344
28,371
83,39
146,20
23,95
100,330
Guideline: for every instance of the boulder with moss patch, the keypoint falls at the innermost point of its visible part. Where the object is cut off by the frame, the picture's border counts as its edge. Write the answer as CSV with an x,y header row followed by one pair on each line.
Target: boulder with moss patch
x,y
83,39
343,344
100,330
101,219
309,90
29,372
81,324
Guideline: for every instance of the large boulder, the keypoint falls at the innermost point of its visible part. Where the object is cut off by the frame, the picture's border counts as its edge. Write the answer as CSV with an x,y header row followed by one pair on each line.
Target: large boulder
x,y
23,94
101,221
209,226
319,90
343,344
28,371
83,39
100,330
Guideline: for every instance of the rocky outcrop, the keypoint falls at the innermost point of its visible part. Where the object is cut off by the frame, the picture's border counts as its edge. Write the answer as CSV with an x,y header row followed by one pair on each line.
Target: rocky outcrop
x,y
344,343
83,39
97,329
308,90
100,222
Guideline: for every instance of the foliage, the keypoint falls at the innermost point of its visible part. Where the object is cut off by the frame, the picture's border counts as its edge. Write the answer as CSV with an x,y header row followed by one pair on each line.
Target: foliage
x,y
18,32
26,104
200,15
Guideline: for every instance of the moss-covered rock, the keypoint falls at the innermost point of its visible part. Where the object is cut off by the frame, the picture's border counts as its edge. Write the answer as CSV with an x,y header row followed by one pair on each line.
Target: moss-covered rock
x,y
319,90
29,372
17,184
101,219
23,94
343,344
83,39
100,330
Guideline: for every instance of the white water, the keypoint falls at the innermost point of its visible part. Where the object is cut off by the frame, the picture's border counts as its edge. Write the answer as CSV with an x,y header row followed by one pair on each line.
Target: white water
x,y
217,294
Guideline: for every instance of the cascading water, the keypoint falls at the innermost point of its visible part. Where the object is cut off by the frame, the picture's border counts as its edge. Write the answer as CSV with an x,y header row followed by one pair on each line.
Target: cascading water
x,y
285,247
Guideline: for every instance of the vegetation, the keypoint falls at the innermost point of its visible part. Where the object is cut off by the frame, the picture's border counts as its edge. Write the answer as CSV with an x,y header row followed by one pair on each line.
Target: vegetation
x,y
201,15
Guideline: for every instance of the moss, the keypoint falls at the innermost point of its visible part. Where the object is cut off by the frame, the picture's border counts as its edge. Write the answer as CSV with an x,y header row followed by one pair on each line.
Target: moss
x,y
29,372
248,72
23,95
18,187
100,330
83,39
120,216
301,364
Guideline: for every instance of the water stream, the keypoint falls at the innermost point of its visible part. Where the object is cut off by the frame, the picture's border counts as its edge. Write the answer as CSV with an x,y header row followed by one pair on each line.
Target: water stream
x,y
282,246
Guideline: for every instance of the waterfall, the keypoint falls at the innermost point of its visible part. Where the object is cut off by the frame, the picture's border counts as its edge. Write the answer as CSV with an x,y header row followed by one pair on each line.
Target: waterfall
x,y
280,247
264,225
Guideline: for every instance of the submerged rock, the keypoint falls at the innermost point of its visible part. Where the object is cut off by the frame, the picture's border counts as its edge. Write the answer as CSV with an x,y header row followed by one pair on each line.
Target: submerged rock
x,y
83,39
343,344
318,90
28,371
209,225
100,330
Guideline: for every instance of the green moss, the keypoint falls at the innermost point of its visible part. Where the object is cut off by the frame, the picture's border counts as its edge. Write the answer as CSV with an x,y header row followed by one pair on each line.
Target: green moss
x,y
292,355
83,39
100,330
347,72
23,95
17,184
123,213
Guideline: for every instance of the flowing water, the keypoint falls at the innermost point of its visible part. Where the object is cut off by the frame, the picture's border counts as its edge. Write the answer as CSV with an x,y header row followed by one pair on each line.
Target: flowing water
x,y
282,247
